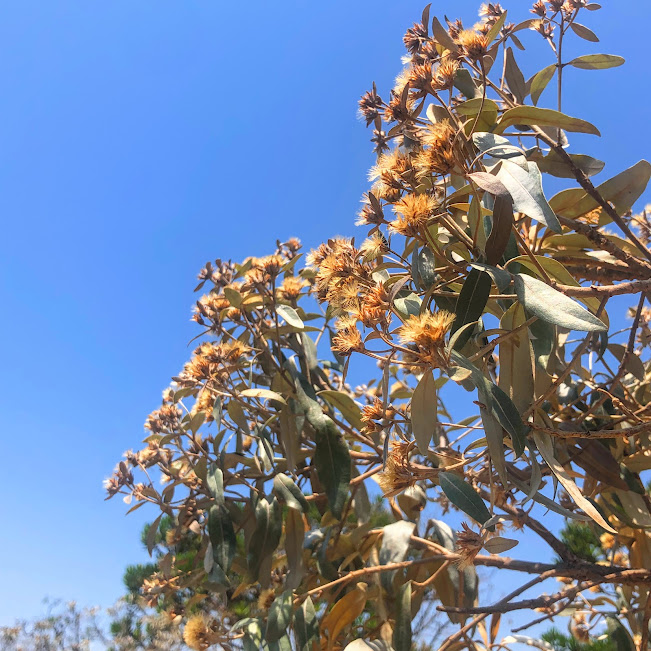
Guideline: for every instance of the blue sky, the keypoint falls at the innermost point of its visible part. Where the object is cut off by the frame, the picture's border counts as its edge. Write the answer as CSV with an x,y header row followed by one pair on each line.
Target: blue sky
x,y
140,139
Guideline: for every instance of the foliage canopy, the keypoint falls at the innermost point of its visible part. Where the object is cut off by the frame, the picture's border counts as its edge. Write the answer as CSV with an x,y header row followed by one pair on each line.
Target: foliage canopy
x,y
468,277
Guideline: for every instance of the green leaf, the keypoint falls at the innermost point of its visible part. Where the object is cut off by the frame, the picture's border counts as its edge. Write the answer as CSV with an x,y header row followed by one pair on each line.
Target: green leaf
x,y
495,29
489,182
516,372
549,304
262,393
423,266
502,407
543,339
402,629
306,626
499,545
345,404
265,537
332,461
494,438
501,278
618,635
498,147
597,62
553,164
396,541
222,536
583,32
622,190
294,542
546,449
279,617
497,402
441,35
633,363
501,229
539,82
471,302
464,496
408,305
290,315
525,188
233,296
290,493
514,77
464,82
423,411
542,117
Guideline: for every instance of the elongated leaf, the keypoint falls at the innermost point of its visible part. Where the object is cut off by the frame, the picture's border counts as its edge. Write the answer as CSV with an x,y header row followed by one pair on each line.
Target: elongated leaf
x,y
498,147
496,28
290,493
344,613
499,545
222,536
542,117
550,305
471,302
502,407
514,77
306,626
583,32
262,393
556,166
345,404
539,82
424,264
489,182
633,364
501,230
557,272
441,35
331,457
497,402
294,540
597,62
525,188
494,438
516,372
423,411
544,445
290,315
332,461
402,629
266,536
501,278
622,190
464,496
395,541
279,617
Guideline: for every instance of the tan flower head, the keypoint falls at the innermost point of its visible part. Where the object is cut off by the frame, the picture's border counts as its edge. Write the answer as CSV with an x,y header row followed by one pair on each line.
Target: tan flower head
x,y
397,474
200,632
427,332
413,211
469,544
473,44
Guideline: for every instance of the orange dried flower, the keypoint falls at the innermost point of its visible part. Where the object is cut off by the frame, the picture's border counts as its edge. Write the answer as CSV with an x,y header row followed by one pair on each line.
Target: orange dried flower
x,y
427,332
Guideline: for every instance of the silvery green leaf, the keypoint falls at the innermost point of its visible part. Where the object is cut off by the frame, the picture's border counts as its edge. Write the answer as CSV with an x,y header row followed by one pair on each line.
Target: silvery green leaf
x,y
525,188
552,306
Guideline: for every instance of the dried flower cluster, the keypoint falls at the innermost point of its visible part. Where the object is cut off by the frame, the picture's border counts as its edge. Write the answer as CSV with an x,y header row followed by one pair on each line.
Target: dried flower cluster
x,y
468,276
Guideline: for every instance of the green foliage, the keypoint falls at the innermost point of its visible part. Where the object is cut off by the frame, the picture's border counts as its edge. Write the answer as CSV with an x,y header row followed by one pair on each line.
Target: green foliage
x,y
562,642
582,541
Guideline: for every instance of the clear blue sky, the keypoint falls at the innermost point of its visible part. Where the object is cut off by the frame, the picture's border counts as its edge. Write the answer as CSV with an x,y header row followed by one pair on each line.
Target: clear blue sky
x,y
140,138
